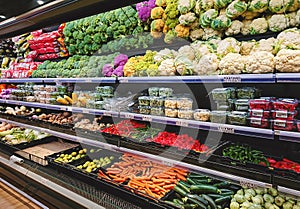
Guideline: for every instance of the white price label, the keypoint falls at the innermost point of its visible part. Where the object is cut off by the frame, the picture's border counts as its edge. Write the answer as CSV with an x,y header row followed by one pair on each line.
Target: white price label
x,y
282,114
44,181
85,111
69,109
257,113
124,80
167,163
147,118
129,116
247,184
232,79
107,114
277,132
226,129
88,80
182,123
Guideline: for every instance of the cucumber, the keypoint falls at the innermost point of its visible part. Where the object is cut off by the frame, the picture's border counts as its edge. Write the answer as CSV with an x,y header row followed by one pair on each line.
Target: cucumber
x,y
215,196
198,198
178,201
180,191
206,189
183,186
203,181
224,184
174,204
190,206
210,201
199,204
190,181
227,193
197,176
223,199
225,190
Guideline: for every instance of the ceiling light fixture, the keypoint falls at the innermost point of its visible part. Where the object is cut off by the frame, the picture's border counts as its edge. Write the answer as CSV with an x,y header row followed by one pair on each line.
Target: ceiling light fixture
x,y
2,17
40,2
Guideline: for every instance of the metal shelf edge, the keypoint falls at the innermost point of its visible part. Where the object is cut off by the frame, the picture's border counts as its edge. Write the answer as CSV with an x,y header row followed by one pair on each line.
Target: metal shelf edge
x,y
288,136
287,77
289,191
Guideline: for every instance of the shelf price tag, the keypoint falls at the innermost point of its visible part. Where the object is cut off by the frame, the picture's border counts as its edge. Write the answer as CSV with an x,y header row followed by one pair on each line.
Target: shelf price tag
x,y
107,114
85,111
182,123
129,116
247,184
232,79
226,129
167,163
147,118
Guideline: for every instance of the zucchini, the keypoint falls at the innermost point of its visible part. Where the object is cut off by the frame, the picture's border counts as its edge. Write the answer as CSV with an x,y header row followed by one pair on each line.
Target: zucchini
x,y
210,201
202,181
174,204
198,198
190,206
223,199
190,181
183,186
225,190
197,176
179,190
199,204
206,189
227,193
215,196
224,184
178,201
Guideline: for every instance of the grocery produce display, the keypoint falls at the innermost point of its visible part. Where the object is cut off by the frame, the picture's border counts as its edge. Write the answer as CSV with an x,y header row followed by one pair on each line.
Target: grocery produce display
x,y
194,39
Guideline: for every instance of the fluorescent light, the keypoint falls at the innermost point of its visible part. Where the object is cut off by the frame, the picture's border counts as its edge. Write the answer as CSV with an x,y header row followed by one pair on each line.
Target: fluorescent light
x,y
40,2
2,17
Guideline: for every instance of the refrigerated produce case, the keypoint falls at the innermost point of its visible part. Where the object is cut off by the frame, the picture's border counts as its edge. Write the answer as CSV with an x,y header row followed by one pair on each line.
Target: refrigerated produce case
x,y
268,138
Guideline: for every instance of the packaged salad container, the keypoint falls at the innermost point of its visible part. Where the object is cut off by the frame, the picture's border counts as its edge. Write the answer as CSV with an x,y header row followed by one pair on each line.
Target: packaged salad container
x,y
226,105
156,102
241,105
144,109
157,111
185,113
144,101
218,116
285,125
165,92
259,122
171,102
259,113
237,118
201,114
247,93
285,104
105,89
184,103
263,104
153,91
99,105
173,113
221,94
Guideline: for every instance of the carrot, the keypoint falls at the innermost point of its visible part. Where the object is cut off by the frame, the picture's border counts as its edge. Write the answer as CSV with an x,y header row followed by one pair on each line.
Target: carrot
x,y
169,186
181,177
148,190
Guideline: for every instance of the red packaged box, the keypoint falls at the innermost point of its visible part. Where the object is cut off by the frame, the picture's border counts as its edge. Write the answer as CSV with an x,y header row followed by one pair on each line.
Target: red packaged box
x,y
284,114
260,104
285,104
259,113
259,122
285,125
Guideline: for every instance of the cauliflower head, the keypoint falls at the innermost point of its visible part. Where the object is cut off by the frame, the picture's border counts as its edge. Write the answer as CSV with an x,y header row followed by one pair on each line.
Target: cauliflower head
x,y
207,4
258,26
245,30
163,54
187,19
232,63
167,67
278,22
258,5
288,61
211,33
247,46
248,15
201,49
236,8
196,34
228,45
268,45
289,39
279,6
260,62
157,13
188,51
184,66
235,28
221,23
182,31
208,65
294,7
184,6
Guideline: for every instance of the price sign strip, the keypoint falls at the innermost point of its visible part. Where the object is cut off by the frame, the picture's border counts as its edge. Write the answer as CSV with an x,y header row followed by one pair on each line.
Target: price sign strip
x,y
288,136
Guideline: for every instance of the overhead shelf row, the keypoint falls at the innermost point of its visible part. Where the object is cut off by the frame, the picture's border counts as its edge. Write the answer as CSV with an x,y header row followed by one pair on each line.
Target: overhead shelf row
x,y
242,78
